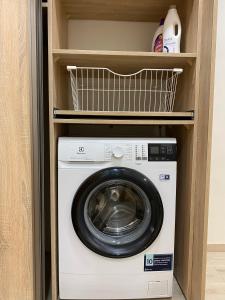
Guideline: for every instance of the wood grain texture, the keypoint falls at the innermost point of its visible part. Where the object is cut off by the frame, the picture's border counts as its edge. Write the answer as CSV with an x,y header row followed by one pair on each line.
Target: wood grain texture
x,y
202,143
191,11
126,61
194,91
16,250
185,95
124,114
216,248
129,10
188,11
54,131
59,24
184,207
123,121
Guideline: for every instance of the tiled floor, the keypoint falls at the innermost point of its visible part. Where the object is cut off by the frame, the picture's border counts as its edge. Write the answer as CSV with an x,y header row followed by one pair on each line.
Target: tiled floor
x,y
215,281
177,294
215,277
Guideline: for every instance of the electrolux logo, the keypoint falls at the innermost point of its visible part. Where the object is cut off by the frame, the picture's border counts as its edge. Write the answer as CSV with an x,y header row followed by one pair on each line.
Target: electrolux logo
x,y
80,150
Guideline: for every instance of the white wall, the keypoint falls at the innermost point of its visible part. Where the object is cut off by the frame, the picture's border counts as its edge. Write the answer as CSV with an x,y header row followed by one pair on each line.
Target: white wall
x,y
216,234
130,36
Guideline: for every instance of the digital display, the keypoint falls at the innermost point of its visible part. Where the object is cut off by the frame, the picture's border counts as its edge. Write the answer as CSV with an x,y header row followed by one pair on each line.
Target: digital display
x,y
162,152
154,150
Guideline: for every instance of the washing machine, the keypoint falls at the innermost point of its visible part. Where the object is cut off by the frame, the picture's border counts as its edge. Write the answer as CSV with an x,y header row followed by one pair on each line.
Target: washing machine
x,y
116,217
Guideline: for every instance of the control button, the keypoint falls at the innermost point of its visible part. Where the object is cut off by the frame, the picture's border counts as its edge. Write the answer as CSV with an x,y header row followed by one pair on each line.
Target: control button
x,y
163,149
107,149
118,152
128,152
169,149
138,152
107,158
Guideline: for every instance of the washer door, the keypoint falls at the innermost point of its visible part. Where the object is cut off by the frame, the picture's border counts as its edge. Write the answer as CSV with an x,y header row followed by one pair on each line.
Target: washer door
x,y
117,212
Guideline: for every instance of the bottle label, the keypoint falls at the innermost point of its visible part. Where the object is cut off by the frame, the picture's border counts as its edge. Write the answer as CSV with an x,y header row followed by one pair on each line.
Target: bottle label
x,y
158,47
170,45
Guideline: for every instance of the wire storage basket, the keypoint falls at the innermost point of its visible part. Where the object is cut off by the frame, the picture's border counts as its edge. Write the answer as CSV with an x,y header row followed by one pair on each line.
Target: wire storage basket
x,y
102,90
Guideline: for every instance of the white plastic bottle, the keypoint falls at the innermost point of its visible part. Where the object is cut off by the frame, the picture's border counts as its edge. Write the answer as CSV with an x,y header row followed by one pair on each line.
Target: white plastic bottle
x,y
157,42
172,31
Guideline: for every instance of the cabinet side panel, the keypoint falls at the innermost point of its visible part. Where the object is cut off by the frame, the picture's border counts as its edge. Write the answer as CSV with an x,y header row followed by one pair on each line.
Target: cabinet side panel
x,y
189,16
59,25
54,284
16,207
203,148
184,209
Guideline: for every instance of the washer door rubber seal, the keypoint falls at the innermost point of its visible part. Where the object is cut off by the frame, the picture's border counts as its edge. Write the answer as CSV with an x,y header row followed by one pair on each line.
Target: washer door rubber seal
x,y
99,246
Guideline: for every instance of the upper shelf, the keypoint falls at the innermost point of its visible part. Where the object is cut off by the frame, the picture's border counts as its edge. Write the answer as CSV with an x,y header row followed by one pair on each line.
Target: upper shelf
x,y
124,60
100,24
129,10
127,118
161,115
113,121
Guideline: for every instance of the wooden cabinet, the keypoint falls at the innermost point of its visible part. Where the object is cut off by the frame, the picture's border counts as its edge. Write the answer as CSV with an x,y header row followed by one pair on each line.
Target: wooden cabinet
x,y
190,122
16,195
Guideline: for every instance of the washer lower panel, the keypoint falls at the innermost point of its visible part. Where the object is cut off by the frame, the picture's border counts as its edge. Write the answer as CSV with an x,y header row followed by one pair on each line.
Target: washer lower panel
x,y
115,286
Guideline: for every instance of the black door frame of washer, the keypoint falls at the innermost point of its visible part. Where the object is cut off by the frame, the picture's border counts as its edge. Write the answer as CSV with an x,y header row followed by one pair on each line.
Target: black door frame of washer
x,y
100,246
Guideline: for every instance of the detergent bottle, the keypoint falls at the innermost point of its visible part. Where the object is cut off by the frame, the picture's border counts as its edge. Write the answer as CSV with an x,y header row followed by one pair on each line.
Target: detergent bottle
x,y
172,31
157,43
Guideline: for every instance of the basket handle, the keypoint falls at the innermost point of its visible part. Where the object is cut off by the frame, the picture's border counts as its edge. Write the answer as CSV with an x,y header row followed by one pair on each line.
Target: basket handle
x,y
176,70
69,68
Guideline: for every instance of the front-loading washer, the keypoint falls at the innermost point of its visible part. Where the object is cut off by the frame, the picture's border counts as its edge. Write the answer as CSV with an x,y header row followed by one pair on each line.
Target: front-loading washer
x,y
116,217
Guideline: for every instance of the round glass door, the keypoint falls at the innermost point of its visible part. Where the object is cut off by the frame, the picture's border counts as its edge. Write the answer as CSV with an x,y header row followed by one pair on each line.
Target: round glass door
x,y
117,212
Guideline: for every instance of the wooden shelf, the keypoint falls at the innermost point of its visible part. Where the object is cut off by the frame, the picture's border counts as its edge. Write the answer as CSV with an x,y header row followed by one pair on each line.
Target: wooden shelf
x,y
120,118
129,10
122,121
152,115
125,60
194,92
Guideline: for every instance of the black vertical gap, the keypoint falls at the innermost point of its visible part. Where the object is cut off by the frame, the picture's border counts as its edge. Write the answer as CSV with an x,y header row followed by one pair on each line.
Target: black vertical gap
x,y
37,146
46,152
39,48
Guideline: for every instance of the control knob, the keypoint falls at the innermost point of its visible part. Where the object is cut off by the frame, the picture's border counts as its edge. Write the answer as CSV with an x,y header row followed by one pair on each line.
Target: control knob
x,y
118,152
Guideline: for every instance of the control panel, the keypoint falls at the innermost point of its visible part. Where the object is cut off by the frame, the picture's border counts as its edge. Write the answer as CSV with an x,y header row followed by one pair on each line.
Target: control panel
x,y
162,152
141,152
118,151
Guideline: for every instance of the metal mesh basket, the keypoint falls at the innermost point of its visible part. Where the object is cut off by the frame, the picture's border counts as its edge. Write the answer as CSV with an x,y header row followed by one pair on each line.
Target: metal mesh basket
x,y
100,89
